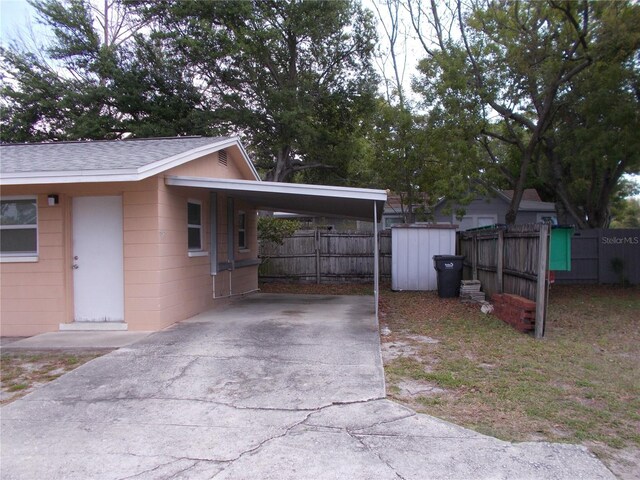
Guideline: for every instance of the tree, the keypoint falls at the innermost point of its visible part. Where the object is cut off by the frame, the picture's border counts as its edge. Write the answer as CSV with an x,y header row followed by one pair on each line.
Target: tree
x,y
625,206
98,78
272,233
294,77
596,143
398,163
595,132
390,18
521,55
518,61
274,230
420,156
626,214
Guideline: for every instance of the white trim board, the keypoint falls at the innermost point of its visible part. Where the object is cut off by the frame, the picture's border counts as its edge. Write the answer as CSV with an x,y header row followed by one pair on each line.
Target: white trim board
x,y
278,187
307,199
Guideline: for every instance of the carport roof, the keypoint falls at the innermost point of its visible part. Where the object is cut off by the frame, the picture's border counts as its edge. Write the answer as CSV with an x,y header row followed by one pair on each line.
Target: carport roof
x,y
298,198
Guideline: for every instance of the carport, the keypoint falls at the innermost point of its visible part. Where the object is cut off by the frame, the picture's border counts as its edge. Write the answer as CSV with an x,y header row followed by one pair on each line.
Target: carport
x,y
322,200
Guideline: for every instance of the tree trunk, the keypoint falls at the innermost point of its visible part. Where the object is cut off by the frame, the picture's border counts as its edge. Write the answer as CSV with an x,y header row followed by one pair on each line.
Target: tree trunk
x,y
282,170
518,188
561,212
557,184
600,212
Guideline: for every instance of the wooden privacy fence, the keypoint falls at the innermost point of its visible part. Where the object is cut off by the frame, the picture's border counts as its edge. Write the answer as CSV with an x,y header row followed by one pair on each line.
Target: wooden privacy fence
x,y
322,256
512,259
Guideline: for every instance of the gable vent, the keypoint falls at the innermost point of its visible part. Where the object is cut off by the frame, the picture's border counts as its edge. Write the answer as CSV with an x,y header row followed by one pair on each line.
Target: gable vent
x,y
222,157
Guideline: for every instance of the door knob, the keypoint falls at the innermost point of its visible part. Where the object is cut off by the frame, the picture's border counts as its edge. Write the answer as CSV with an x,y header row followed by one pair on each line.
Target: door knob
x,y
76,266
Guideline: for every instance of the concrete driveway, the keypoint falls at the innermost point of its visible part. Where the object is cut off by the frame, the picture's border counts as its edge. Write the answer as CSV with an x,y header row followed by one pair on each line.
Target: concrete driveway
x,y
273,387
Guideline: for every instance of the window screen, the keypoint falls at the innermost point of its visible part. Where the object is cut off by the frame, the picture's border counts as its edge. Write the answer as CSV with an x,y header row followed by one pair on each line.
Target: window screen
x,y
194,228
19,227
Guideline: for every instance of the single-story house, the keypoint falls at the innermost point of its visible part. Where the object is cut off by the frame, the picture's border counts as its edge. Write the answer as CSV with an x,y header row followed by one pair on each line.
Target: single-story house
x,y
482,211
138,234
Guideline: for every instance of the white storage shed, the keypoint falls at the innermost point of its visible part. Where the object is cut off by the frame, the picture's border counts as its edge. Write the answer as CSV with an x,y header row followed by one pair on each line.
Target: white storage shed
x,y
412,248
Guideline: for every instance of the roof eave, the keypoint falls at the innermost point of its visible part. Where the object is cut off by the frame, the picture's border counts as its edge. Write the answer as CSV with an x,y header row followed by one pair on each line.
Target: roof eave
x,y
326,200
126,175
88,176
298,188
538,208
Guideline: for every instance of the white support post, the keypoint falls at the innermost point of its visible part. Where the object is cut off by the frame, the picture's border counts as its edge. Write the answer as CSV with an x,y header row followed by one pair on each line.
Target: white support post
x,y
317,243
376,260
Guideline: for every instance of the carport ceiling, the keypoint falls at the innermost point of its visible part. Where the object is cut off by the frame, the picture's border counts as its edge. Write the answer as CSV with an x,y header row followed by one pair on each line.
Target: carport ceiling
x,y
306,199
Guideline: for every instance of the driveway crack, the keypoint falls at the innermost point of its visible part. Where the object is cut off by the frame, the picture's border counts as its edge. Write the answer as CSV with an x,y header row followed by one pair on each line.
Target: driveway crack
x,y
186,469
263,443
369,449
304,422
194,462
183,370
152,469
383,422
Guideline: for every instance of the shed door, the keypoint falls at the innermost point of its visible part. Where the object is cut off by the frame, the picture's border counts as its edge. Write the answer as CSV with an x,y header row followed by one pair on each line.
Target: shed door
x,y
98,275
412,251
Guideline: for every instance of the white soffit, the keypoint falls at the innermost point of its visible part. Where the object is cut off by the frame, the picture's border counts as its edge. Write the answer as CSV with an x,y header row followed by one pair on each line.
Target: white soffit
x,y
295,197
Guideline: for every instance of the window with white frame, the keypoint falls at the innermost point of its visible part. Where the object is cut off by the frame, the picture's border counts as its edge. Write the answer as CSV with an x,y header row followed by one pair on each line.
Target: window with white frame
x,y
474,221
194,225
242,230
390,221
19,227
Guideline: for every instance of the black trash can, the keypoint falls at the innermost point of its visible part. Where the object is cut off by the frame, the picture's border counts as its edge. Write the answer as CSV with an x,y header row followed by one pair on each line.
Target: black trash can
x,y
449,268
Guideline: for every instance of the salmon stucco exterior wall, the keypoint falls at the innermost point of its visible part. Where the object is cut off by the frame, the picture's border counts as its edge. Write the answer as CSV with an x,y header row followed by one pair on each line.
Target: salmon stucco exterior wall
x,y
33,295
37,296
163,282
211,166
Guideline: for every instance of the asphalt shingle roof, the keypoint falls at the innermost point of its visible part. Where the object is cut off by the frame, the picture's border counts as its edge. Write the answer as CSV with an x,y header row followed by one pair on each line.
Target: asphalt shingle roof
x,y
95,155
528,194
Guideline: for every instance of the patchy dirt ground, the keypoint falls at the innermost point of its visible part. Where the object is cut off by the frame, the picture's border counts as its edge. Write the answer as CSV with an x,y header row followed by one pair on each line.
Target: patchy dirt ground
x,y
22,372
580,384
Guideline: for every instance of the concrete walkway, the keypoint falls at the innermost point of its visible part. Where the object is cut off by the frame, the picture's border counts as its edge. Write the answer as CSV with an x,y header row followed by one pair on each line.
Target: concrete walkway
x,y
76,341
274,387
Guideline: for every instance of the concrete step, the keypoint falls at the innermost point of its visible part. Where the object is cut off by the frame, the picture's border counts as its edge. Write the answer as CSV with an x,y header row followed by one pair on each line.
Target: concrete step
x,y
93,326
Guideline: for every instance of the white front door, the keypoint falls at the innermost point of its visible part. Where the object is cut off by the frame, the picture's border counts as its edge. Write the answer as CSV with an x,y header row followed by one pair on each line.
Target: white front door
x,y
98,270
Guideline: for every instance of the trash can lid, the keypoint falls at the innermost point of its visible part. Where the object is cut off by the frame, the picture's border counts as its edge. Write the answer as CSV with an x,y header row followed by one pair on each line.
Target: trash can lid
x,y
448,257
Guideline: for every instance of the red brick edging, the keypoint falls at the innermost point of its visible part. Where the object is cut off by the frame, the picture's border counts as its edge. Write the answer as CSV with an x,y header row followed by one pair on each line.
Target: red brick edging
x,y
515,310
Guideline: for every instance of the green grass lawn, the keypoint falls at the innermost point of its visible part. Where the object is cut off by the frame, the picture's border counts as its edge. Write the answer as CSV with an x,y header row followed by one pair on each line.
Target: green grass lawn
x,y
580,384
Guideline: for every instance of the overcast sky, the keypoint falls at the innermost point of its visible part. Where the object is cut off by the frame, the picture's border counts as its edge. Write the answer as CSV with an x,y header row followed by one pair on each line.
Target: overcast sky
x,y
17,16
14,15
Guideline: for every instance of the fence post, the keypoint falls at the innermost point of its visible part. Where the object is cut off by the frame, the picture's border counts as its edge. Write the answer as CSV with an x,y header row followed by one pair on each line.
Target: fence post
x,y
317,238
500,261
474,255
541,288
600,261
